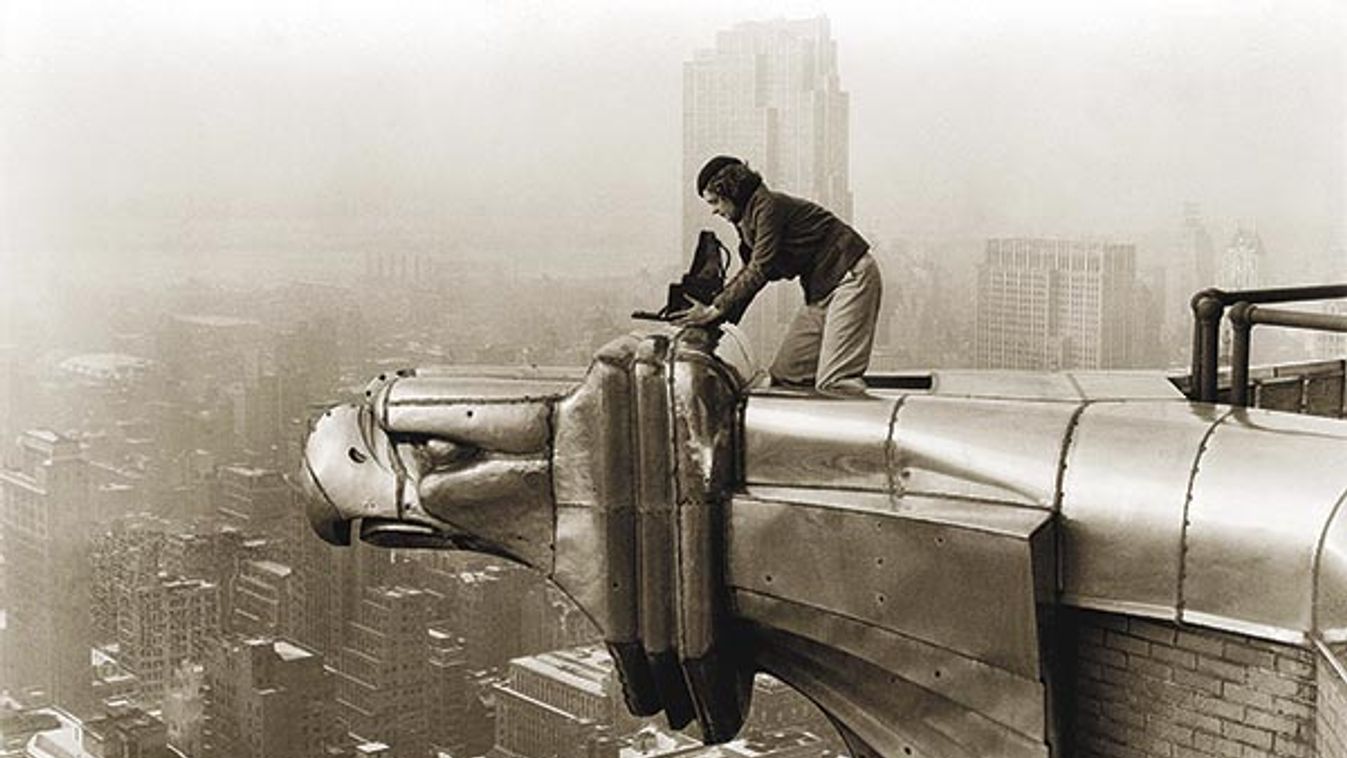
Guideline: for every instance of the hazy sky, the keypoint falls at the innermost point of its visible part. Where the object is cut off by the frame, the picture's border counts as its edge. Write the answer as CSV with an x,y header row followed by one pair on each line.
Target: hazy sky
x,y
549,133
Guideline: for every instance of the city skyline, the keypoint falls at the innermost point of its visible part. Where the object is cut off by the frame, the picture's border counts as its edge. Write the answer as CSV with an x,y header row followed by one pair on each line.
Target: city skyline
x,y
215,225
239,139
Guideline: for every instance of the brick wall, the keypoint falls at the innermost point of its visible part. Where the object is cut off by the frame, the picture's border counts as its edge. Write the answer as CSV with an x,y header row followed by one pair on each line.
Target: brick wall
x,y
1331,723
1139,688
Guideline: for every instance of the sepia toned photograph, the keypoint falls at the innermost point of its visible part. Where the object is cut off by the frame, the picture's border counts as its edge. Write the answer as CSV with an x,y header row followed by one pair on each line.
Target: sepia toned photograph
x,y
653,379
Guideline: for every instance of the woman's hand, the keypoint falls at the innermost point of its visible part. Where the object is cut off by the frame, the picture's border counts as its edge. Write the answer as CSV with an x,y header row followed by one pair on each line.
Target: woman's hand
x,y
700,314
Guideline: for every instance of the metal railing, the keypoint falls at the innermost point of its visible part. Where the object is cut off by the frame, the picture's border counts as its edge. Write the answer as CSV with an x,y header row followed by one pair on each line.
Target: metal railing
x,y
1209,307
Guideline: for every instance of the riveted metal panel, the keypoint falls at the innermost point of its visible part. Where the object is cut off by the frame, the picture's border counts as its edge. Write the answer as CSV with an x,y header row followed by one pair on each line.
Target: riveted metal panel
x,y
505,502
704,403
1263,494
1123,497
585,568
1330,616
413,389
818,442
506,427
593,470
894,572
977,448
654,497
890,715
593,444
1013,701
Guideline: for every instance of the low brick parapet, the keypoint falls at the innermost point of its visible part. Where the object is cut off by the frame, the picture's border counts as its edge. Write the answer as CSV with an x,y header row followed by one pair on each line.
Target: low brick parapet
x,y
1146,688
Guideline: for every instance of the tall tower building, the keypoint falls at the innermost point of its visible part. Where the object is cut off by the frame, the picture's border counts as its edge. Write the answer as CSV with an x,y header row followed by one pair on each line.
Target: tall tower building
x,y
44,502
1048,304
1242,264
768,92
383,676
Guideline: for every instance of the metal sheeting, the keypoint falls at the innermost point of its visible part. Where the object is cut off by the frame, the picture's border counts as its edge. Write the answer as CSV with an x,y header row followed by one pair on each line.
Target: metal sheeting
x,y
1124,492
594,489
413,388
896,573
888,714
1062,386
963,447
1001,450
1330,602
836,444
1015,702
1262,497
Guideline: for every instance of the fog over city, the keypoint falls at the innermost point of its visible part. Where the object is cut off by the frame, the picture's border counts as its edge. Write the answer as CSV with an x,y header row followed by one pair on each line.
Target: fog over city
x,y
177,139
220,220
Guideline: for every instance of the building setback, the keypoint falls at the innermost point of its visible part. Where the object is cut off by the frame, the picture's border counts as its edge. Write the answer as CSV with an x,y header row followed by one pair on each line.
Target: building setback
x,y
556,704
1047,304
263,599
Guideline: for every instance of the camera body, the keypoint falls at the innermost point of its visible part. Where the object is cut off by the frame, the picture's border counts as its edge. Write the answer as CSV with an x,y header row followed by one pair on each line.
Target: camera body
x,y
704,281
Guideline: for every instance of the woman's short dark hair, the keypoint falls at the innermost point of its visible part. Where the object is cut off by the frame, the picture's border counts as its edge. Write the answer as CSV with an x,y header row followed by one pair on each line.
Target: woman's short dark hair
x,y
735,182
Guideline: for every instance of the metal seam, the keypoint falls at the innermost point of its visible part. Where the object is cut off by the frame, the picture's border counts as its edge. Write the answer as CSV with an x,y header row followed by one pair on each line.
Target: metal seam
x,y
552,411
1318,556
679,630
1059,494
1326,653
891,452
1180,600
908,515
1080,392
633,454
461,400
868,623
1068,437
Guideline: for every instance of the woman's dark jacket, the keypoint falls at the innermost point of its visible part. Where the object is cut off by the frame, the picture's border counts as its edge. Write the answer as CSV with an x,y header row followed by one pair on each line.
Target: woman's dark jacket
x,y
781,237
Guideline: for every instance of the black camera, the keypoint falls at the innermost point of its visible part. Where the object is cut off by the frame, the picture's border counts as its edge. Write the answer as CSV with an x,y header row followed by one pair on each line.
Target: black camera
x,y
704,281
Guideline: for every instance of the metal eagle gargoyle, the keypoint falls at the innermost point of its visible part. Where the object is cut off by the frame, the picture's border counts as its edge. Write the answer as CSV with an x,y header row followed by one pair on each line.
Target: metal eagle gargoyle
x,y
899,559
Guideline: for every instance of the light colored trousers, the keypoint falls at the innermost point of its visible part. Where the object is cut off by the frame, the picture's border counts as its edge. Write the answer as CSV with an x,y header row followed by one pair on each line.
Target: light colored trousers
x,y
828,343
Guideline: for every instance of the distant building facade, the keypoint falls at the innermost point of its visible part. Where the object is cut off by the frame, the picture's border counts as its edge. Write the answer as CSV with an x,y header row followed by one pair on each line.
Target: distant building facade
x,y
1048,304
48,630
555,704
253,500
267,698
263,599
768,92
1242,263
382,676
166,623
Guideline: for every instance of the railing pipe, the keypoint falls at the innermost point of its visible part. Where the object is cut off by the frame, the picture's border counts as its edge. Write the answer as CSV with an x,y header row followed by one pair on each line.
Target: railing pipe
x,y
1209,306
1244,316
1239,356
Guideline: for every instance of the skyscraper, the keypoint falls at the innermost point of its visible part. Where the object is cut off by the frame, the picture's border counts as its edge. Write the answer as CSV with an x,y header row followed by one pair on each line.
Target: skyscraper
x,y
1242,263
768,92
44,524
383,676
1047,304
